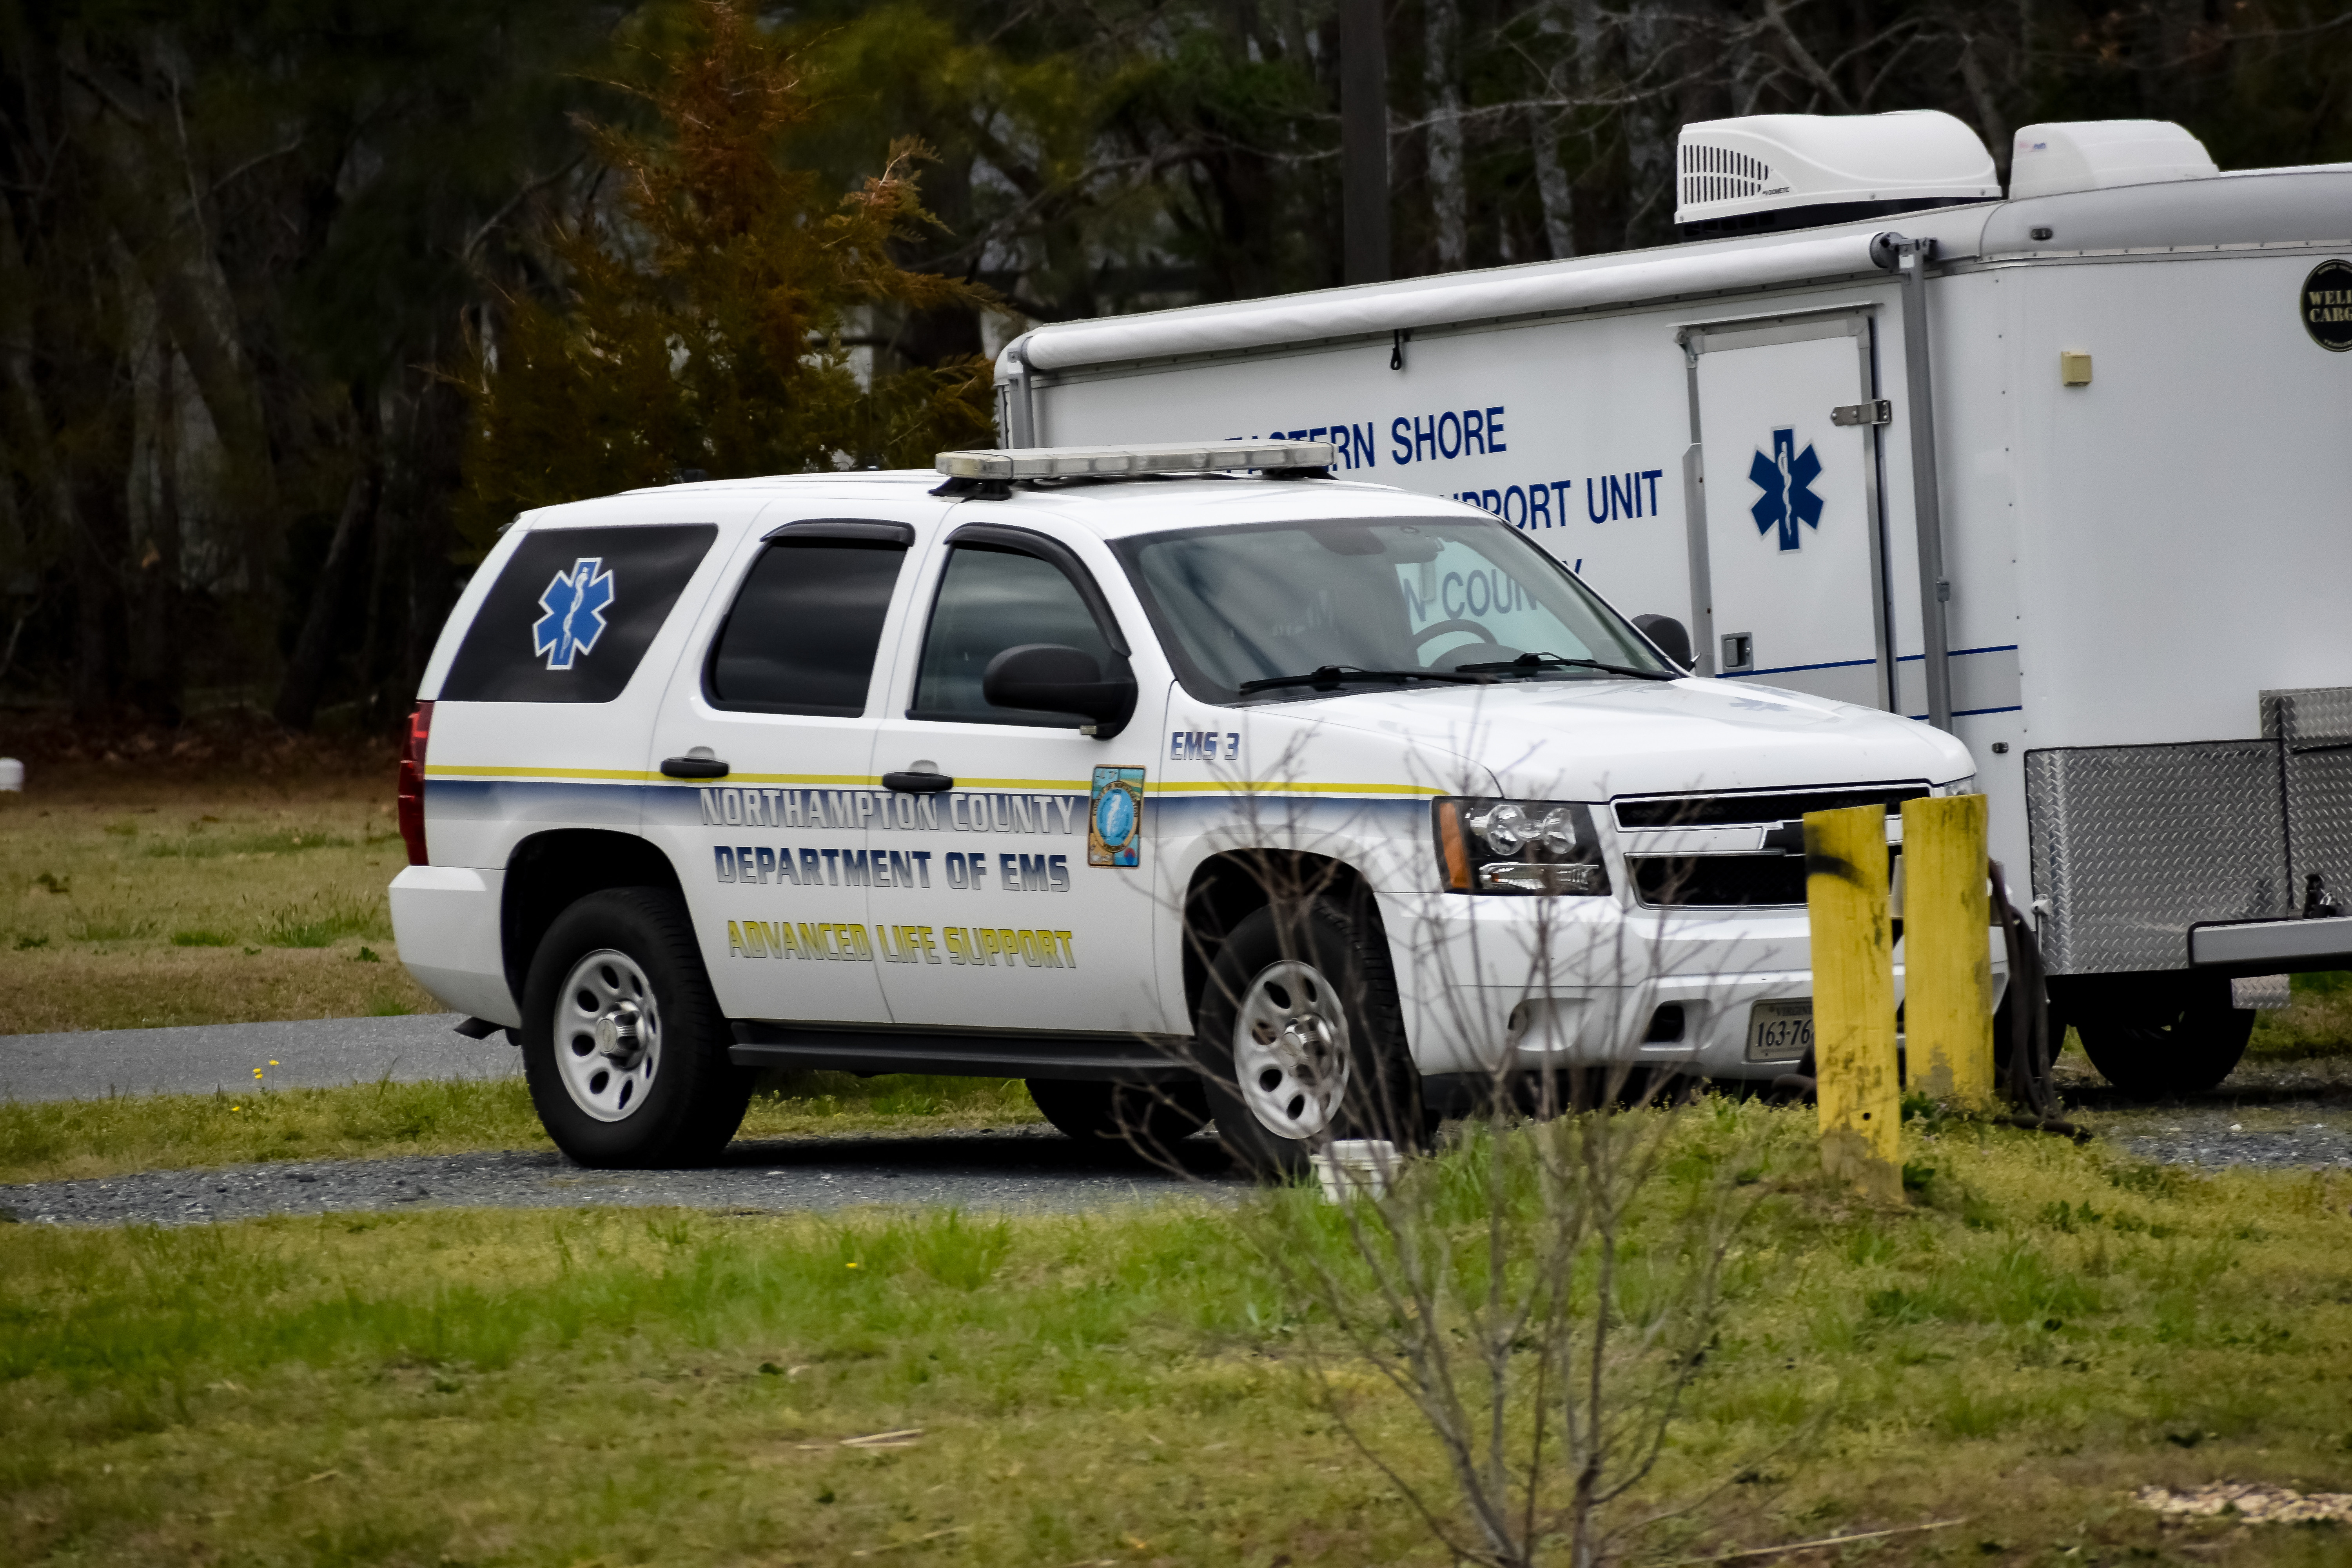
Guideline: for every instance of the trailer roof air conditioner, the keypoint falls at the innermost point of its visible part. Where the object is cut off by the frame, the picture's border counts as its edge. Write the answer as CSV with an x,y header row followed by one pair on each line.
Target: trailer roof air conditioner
x,y
2093,155
1769,172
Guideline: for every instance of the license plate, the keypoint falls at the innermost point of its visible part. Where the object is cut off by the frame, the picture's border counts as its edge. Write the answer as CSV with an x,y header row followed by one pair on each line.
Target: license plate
x,y
1779,1031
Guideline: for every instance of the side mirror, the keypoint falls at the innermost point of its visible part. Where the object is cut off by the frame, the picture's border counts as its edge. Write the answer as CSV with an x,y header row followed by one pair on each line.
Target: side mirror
x,y
1052,679
1667,632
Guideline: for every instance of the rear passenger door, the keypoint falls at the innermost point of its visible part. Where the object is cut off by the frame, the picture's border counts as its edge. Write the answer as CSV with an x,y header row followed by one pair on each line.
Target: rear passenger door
x,y
779,685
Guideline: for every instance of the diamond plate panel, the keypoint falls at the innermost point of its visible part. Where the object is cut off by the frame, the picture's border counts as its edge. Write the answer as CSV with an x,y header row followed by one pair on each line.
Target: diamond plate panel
x,y
2319,820
2315,725
2132,845
2312,716
2261,992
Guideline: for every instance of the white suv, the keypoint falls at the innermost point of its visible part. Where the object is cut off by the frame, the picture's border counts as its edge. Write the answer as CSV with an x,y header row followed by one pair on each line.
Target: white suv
x,y
1265,797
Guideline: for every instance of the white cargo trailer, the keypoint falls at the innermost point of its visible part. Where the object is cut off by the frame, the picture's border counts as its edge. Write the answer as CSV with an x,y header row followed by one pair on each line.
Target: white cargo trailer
x,y
2066,474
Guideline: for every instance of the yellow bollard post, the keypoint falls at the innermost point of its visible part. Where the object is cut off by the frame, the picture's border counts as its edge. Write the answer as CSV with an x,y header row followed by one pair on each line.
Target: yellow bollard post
x,y
1853,998
1946,949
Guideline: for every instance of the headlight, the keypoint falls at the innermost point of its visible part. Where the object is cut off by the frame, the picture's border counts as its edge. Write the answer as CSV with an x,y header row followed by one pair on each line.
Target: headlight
x,y
1541,847
1958,787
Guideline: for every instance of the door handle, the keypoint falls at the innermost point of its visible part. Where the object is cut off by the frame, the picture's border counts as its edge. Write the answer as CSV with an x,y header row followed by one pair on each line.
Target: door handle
x,y
693,768
917,783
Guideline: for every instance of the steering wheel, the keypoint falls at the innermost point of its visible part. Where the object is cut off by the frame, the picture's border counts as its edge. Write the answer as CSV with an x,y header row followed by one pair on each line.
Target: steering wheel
x,y
1442,628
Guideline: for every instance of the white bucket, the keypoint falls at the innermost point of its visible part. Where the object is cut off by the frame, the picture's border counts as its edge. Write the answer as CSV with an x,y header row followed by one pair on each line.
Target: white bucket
x,y
12,776
1355,1167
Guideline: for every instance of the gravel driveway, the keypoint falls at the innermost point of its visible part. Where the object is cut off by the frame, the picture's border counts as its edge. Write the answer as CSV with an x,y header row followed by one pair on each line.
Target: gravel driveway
x,y
2294,1114
2267,1114
1013,1168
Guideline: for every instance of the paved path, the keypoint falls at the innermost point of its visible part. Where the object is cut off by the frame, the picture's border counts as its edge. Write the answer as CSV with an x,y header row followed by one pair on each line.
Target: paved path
x,y
1026,1167
310,1053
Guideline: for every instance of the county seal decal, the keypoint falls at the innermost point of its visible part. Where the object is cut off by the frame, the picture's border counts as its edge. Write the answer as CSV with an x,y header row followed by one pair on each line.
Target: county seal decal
x,y
1115,817
575,603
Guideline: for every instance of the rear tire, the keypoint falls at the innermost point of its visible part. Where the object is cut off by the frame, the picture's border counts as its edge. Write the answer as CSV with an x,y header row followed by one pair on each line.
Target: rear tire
x,y
1139,1119
1301,1040
2157,1041
623,1043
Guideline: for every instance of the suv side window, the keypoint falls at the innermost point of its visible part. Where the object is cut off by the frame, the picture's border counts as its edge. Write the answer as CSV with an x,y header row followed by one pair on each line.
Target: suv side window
x,y
992,599
801,635
574,611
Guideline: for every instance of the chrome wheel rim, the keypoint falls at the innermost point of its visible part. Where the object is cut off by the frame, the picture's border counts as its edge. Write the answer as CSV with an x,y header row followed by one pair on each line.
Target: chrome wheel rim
x,y
607,1035
1290,1050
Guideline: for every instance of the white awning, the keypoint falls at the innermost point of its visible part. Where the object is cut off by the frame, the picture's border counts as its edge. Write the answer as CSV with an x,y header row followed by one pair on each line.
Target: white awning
x,y
1453,298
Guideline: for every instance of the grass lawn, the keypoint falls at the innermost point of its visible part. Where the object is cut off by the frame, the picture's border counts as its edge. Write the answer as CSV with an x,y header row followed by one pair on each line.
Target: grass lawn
x,y
129,904
2039,1331
2317,1024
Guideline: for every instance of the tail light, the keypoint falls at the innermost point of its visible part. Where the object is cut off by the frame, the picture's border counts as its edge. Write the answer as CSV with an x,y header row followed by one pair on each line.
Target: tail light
x,y
412,781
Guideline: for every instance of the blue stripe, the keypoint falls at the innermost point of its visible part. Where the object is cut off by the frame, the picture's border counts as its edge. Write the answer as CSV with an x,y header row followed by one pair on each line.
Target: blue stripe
x,y
1961,653
1792,668
1902,659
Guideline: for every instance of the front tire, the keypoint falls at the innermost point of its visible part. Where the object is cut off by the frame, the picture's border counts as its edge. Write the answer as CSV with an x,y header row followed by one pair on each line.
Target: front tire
x,y
623,1043
2158,1043
1301,1040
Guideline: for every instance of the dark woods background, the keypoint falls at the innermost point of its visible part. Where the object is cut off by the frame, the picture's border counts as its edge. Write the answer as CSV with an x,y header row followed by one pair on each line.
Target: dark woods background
x,y
301,299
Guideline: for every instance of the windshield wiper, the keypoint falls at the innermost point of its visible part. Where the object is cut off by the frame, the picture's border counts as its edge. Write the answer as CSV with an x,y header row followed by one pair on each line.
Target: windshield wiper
x,y
1530,663
1334,674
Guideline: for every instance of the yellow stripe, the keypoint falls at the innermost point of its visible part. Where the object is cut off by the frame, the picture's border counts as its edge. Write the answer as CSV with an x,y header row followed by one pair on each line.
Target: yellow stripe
x,y
868,781
839,780
1076,786
621,775
1288,786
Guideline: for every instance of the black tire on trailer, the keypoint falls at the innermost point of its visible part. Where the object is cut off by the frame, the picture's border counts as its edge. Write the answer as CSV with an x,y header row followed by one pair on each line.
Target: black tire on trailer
x,y
2160,1040
1301,1038
1146,1119
623,1043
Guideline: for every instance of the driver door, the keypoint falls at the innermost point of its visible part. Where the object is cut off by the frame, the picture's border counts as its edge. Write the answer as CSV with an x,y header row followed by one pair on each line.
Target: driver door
x,y
996,909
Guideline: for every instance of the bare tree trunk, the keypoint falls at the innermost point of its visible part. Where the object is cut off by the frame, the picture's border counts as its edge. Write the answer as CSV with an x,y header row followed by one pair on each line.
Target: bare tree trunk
x,y
1364,142
45,467
1552,189
154,662
155,208
1649,140
306,672
1449,194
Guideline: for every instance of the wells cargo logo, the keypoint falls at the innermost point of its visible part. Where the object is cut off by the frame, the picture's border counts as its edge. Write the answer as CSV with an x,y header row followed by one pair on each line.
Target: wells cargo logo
x,y
575,603
1786,477
2325,303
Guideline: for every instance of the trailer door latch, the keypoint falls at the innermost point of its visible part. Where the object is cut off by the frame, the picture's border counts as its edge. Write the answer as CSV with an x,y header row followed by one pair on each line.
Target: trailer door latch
x,y
1880,412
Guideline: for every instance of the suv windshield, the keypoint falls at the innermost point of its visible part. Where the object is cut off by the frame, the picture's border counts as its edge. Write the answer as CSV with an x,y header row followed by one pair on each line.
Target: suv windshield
x,y
1374,603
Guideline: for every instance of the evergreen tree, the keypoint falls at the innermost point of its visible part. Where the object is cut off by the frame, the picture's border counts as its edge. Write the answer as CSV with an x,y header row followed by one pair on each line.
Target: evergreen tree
x,y
706,315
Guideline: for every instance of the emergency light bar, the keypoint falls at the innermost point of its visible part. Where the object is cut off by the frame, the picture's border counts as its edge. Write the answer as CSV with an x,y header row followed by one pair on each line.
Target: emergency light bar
x,y
1075,462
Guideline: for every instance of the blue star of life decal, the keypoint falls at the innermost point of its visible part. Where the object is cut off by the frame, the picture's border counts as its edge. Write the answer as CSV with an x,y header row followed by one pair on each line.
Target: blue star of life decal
x,y
575,603
1786,478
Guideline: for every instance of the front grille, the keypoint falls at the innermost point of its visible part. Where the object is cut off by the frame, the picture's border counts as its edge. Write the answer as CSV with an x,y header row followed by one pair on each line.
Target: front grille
x,y
1718,881
1733,810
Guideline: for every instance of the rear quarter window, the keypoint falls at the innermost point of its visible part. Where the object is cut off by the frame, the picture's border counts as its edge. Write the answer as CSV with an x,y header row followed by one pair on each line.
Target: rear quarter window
x,y
572,613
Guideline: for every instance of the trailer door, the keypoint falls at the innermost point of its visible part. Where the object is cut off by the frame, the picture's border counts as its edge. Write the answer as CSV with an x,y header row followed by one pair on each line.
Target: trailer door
x,y
1788,561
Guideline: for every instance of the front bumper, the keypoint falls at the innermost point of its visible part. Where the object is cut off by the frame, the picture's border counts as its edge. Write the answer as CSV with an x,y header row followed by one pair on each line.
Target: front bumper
x,y
1505,984
444,919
